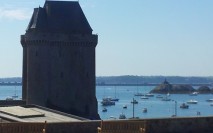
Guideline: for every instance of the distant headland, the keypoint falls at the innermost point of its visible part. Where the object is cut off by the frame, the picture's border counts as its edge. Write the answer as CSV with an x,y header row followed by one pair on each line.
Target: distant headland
x,y
133,80
153,80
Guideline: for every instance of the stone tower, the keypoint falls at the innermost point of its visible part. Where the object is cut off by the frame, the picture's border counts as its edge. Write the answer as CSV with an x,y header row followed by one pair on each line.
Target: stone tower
x,y
59,60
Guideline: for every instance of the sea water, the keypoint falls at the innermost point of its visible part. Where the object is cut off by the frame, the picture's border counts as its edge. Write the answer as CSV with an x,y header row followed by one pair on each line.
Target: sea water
x,y
156,108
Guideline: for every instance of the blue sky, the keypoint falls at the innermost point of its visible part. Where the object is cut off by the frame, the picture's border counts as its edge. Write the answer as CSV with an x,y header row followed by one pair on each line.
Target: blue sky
x,y
137,37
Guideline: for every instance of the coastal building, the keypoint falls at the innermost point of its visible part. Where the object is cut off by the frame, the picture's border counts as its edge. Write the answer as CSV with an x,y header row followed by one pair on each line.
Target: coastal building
x,y
59,60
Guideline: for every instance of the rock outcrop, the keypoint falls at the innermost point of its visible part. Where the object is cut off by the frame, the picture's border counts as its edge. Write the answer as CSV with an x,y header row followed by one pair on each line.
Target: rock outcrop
x,y
166,87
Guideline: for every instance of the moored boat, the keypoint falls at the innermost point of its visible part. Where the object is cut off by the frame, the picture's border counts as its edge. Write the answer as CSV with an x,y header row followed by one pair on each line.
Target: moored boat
x,y
144,97
9,99
107,102
112,118
192,102
184,106
134,101
138,94
104,110
193,93
125,106
159,96
122,116
210,100
115,99
149,95
166,99
144,110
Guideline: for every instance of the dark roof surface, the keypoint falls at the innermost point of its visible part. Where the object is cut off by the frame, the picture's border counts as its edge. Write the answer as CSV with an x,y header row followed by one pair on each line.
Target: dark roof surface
x,y
59,17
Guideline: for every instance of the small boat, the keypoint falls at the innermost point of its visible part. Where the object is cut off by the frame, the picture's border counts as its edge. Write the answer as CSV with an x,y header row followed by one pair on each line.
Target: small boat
x,y
15,96
114,99
193,93
166,99
122,116
9,99
159,96
125,106
149,95
107,99
192,102
112,117
144,110
134,101
138,94
144,97
198,113
184,106
209,100
107,102
104,110
168,94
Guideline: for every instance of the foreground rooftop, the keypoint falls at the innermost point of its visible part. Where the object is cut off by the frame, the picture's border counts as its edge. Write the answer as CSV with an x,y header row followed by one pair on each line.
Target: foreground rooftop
x,y
33,113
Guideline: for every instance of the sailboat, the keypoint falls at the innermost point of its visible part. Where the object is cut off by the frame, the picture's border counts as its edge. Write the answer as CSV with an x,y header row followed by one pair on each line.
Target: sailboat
x,y
15,95
138,93
166,98
122,116
115,99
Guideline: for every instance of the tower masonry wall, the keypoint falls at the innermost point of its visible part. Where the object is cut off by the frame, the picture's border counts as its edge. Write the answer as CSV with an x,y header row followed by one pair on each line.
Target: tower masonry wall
x,y
60,72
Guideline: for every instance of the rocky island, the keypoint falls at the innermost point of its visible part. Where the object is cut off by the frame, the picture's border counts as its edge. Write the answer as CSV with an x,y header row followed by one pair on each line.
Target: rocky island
x,y
166,87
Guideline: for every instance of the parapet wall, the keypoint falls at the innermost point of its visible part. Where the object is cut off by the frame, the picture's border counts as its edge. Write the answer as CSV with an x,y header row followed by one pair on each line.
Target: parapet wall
x,y
180,125
164,125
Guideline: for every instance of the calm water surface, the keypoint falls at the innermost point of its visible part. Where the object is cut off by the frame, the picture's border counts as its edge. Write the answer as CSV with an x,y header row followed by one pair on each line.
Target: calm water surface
x,y
155,106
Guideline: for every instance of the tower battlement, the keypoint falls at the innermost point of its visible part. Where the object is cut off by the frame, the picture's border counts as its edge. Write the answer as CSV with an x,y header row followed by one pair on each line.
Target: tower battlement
x,y
57,38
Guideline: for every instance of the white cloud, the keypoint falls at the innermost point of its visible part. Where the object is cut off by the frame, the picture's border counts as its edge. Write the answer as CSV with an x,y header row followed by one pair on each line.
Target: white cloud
x,y
15,14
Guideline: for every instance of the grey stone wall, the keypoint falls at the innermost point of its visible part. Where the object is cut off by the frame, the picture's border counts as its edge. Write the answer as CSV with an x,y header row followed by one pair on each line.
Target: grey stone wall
x,y
180,125
59,72
163,125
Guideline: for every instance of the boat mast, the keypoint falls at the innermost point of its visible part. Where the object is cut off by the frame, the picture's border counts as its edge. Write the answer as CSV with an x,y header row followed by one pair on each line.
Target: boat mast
x,y
133,105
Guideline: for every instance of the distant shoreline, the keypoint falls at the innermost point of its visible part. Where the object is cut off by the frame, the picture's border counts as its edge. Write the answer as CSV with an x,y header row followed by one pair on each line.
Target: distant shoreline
x,y
150,84
146,84
10,84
